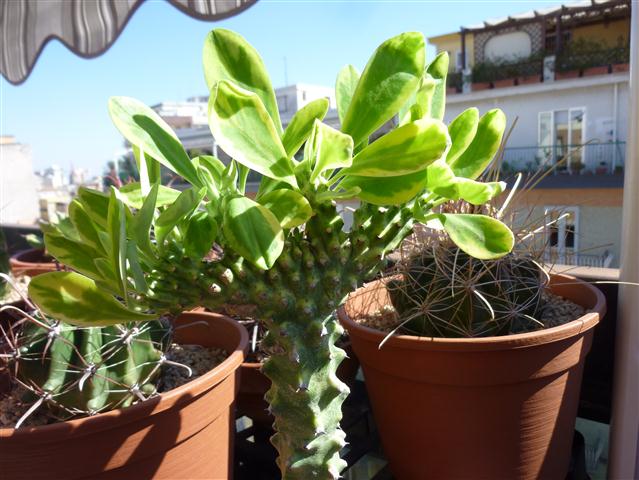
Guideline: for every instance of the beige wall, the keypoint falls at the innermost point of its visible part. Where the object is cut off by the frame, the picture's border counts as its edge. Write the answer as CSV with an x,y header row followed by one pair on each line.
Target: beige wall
x,y
451,43
608,32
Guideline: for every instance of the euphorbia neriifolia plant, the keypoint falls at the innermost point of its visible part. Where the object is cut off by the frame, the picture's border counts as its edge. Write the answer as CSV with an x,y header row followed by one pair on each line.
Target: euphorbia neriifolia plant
x,y
147,248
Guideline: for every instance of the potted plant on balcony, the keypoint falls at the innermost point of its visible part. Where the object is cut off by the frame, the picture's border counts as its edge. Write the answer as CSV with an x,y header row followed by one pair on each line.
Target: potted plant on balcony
x,y
484,356
94,360
286,250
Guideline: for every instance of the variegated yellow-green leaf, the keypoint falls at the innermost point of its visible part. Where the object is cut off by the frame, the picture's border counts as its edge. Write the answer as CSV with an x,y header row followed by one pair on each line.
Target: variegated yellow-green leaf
x,y
228,56
480,236
76,255
476,193
96,204
345,86
182,208
290,207
142,223
201,231
462,130
391,76
76,299
328,149
149,168
242,127
116,224
143,127
301,125
253,232
418,106
131,195
389,190
438,70
407,149
84,226
482,149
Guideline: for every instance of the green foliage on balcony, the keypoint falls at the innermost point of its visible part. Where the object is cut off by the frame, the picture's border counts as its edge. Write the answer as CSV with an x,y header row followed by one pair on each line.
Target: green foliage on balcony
x,y
584,53
506,68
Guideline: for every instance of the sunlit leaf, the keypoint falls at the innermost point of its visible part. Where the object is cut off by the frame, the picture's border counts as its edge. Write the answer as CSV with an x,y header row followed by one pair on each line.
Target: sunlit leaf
x,y
301,125
480,236
462,130
290,207
345,86
327,149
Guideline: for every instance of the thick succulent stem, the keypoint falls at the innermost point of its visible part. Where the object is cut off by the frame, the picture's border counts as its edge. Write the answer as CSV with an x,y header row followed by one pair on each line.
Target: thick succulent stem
x,y
297,299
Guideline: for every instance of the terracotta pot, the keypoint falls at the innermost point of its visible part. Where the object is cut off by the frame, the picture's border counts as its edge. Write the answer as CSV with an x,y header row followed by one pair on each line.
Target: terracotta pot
x,y
32,262
506,82
600,70
451,91
186,433
529,80
476,87
566,75
494,407
621,67
254,385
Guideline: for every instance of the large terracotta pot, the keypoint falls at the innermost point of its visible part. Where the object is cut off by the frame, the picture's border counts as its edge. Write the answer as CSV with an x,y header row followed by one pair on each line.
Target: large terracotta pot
x,y
485,408
186,433
32,262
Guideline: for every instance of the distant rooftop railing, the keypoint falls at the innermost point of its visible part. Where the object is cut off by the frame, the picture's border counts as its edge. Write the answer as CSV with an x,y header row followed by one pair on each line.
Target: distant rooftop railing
x,y
579,259
590,158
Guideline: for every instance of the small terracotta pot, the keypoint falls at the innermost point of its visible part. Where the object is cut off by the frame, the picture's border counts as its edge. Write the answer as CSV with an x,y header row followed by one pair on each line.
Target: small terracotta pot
x,y
600,70
529,79
32,262
506,82
254,385
186,433
478,86
566,75
620,67
494,407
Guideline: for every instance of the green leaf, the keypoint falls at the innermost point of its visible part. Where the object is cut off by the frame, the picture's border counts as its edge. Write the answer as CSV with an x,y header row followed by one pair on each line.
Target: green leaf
x,y
75,299
143,127
389,79
142,223
290,207
228,56
242,127
76,255
387,191
131,195
476,193
84,226
462,130
149,168
345,86
116,226
438,70
419,104
179,210
301,125
482,149
253,232
201,231
136,270
480,236
96,204
328,149
65,227
407,149
214,165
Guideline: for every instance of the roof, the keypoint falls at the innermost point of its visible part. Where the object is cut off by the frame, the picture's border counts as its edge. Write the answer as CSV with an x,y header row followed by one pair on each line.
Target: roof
x,y
577,10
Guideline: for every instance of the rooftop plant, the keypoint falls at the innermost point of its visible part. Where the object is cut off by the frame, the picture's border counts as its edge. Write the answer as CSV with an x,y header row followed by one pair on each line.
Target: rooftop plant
x,y
146,250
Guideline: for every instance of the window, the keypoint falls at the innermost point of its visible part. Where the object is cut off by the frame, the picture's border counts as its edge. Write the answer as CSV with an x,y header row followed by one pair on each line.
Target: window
x,y
562,234
560,136
282,103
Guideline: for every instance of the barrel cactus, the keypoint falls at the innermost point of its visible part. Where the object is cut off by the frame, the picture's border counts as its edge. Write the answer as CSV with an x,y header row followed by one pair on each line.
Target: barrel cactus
x,y
440,291
147,249
85,370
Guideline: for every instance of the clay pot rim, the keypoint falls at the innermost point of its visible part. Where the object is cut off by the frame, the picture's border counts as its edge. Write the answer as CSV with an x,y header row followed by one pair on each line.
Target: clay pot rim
x,y
506,342
18,257
160,403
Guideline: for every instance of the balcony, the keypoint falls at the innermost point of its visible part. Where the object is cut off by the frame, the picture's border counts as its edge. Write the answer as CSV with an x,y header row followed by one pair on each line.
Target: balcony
x,y
594,159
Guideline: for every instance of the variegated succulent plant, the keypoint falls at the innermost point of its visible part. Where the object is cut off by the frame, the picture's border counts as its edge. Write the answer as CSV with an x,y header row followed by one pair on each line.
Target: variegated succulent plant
x,y
147,249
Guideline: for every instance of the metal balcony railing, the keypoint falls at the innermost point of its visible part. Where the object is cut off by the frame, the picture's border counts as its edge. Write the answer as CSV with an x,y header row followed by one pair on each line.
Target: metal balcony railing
x,y
591,158
578,259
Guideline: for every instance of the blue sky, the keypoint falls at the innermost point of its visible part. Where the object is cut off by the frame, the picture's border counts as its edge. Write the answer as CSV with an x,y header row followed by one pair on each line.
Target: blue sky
x,y
61,109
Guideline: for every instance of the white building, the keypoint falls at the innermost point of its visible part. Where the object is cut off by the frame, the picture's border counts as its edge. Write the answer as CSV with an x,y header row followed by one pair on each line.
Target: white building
x,y
18,198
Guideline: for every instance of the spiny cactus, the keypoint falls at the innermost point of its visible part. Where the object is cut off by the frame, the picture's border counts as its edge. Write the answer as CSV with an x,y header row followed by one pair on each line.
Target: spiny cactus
x,y
441,291
149,248
84,370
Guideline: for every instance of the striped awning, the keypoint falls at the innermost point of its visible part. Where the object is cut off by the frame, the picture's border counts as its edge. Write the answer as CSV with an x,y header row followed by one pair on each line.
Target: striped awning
x,y
86,27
